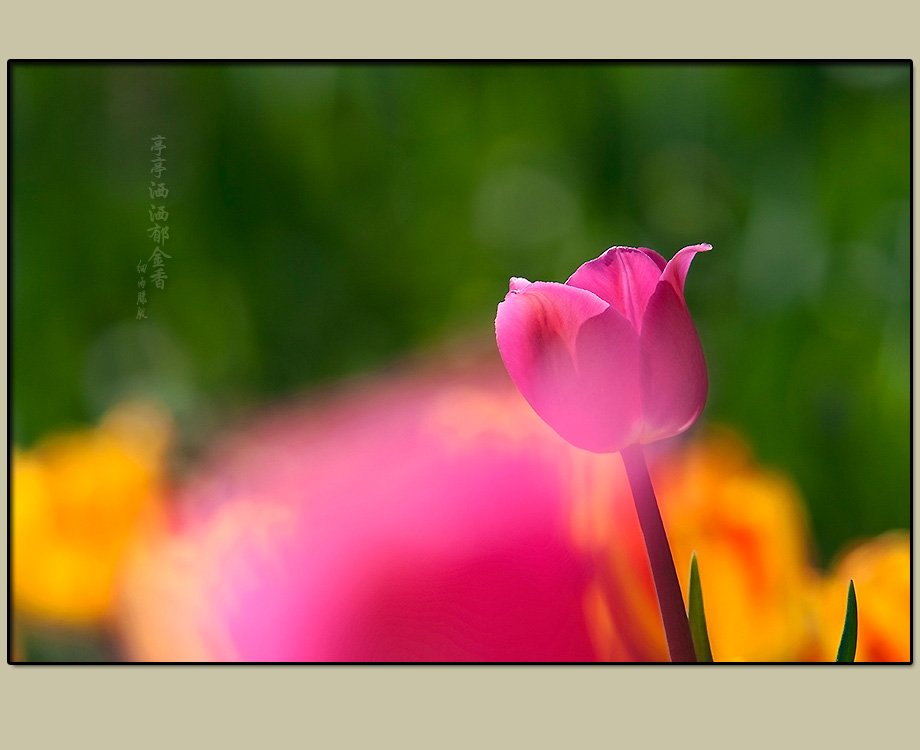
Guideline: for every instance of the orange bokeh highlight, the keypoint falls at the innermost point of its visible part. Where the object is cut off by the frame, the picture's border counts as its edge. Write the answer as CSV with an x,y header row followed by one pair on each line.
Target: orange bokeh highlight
x,y
881,573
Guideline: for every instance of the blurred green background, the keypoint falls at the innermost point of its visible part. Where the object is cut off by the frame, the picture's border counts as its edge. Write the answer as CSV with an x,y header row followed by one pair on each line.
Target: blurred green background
x,y
327,219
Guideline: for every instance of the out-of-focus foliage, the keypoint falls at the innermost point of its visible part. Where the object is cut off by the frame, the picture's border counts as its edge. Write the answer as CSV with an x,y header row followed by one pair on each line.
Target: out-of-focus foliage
x,y
324,220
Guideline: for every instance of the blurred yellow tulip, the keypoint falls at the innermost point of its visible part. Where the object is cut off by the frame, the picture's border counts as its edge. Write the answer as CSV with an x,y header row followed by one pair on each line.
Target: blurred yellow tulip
x,y
76,501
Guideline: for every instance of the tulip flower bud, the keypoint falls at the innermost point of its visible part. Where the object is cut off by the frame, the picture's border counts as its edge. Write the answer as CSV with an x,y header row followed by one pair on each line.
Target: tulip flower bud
x,y
611,358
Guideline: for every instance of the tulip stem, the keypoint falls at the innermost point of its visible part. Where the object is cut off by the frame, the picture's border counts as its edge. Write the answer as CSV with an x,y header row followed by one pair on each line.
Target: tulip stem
x,y
667,586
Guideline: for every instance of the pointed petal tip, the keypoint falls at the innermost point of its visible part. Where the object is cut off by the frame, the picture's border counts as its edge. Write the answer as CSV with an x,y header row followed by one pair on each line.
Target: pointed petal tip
x,y
676,270
517,284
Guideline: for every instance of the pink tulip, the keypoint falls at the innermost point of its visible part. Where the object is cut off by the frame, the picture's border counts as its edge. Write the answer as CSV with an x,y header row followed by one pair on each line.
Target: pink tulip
x,y
611,358
611,361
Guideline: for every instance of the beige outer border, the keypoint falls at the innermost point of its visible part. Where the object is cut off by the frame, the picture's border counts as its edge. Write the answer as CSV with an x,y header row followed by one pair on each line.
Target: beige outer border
x,y
468,707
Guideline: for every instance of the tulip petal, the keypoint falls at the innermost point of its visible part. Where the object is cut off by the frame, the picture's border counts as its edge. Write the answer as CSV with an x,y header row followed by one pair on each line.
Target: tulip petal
x,y
576,362
676,270
608,382
674,380
625,277
535,316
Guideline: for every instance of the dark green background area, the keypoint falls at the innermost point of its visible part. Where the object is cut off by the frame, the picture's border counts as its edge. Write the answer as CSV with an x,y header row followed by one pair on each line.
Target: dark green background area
x,y
327,219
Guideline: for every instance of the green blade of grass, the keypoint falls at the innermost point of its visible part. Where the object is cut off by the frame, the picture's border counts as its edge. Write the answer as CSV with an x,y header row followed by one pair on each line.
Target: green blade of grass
x,y
696,615
847,650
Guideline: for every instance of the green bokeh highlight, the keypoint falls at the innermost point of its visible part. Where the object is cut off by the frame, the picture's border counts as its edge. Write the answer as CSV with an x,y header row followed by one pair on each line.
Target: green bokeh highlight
x,y
327,219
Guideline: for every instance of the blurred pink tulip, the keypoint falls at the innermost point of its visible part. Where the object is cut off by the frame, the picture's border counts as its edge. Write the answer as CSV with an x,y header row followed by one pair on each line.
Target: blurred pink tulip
x,y
425,520
611,358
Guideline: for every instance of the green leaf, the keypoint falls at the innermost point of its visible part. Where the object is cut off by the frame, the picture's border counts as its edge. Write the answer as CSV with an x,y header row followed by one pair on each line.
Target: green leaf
x,y
847,650
696,615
